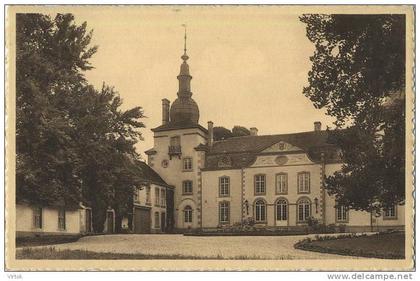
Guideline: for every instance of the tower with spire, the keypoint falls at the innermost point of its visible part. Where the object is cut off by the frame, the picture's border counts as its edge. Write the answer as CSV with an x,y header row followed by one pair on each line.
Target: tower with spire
x,y
184,109
179,151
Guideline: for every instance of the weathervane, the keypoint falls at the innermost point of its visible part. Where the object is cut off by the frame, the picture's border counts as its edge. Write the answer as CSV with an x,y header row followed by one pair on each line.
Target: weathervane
x,y
185,56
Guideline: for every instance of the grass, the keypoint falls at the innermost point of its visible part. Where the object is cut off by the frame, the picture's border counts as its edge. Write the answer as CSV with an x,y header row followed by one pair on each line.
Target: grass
x,y
45,240
50,253
382,245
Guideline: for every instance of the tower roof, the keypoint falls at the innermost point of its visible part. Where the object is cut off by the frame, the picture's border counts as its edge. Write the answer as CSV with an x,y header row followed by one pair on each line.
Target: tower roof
x,y
184,109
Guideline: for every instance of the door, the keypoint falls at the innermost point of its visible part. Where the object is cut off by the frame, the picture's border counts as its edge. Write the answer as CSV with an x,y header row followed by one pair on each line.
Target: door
x,y
163,222
110,222
282,212
142,221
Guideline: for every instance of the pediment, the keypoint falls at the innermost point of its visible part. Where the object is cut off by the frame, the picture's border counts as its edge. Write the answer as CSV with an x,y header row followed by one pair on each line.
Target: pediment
x,y
281,146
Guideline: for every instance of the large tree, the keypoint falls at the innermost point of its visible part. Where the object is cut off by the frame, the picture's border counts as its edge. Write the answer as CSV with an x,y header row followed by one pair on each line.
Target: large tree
x,y
50,54
74,143
358,76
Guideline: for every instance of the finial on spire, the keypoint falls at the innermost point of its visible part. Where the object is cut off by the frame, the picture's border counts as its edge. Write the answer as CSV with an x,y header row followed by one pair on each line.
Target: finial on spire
x,y
185,56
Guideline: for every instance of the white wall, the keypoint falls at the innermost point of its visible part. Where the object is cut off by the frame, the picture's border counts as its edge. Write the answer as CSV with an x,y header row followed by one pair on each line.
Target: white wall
x,y
211,196
174,174
142,201
25,223
358,218
292,195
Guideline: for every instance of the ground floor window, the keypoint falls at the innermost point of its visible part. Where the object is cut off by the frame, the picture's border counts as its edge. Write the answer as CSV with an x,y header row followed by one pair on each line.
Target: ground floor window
x,y
342,213
37,217
224,212
281,210
260,211
391,212
62,219
304,209
188,214
157,220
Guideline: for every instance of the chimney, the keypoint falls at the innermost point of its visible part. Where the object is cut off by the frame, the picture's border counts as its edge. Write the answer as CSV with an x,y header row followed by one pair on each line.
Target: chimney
x,y
254,131
165,111
210,128
317,126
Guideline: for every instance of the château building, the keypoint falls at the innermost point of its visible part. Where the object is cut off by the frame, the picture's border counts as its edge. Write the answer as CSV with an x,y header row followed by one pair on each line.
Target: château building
x,y
275,180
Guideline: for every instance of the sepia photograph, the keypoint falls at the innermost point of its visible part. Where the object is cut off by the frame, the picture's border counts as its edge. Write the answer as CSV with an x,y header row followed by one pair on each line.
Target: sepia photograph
x,y
191,138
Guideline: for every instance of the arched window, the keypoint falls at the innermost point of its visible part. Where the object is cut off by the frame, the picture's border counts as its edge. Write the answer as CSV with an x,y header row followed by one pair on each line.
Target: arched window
x,y
281,210
304,209
260,211
188,214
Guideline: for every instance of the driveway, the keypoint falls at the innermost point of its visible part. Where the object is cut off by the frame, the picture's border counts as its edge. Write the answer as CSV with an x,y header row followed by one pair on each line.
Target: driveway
x,y
258,247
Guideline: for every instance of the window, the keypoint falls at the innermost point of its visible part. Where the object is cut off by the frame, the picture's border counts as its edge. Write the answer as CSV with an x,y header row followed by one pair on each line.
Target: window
x,y
163,198
224,186
281,183
38,217
259,184
224,212
391,212
187,187
148,200
62,219
187,164
304,182
175,141
281,210
136,195
260,211
175,147
188,214
157,196
157,220
304,209
342,213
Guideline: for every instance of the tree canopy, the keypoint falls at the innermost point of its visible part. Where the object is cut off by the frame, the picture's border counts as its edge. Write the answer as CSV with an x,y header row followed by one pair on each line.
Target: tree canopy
x,y
73,143
358,76
221,133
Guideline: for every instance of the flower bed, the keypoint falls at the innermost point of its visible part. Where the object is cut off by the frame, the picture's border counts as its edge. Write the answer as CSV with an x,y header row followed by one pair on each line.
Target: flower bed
x,y
383,245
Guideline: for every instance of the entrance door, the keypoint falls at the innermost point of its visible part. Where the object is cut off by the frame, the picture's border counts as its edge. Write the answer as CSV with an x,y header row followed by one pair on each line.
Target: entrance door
x,y
163,222
142,221
110,221
282,212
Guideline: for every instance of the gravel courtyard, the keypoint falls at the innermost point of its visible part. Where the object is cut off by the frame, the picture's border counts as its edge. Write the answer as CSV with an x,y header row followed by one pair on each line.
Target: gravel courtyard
x,y
258,247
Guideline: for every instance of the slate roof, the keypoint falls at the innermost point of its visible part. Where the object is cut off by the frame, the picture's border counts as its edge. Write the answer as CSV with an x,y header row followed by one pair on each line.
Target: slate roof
x,y
242,151
178,125
303,140
148,174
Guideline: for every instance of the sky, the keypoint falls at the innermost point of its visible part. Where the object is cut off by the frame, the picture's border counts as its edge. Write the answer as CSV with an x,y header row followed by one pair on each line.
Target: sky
x,y
249,64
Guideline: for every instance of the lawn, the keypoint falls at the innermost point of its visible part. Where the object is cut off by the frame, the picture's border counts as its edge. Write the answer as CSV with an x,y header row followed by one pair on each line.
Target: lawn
x,y
383,245
45,240
51,253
